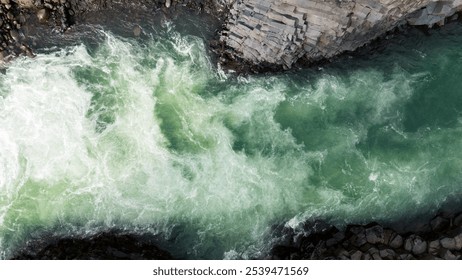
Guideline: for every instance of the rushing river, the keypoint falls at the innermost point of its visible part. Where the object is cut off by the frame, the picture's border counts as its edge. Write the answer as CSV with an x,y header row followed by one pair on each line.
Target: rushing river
x,y
151,136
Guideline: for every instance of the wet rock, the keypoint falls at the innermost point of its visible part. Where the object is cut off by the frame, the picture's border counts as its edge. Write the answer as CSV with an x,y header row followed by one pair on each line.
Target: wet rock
x,y
374,235
457,221
439,224
14,35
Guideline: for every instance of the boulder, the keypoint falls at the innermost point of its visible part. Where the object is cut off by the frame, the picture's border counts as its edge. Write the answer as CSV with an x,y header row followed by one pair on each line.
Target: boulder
x,y
434,247
396,241
357,255
439,224
448,243
375,234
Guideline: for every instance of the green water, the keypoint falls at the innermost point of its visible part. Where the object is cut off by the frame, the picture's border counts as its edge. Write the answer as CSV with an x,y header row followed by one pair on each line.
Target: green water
x,y
150,136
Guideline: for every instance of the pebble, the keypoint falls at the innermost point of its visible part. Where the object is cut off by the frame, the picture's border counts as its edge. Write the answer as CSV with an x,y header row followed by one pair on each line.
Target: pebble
x,y
137,31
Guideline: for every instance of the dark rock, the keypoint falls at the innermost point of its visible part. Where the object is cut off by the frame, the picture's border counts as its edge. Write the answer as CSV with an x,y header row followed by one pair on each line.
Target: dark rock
x,y
331,242
396,241
439,224
447,255
356,255
367,257
101,246
387,254
387,235
374,234
406,257
457,221
434,247
448,243
420,246
43,15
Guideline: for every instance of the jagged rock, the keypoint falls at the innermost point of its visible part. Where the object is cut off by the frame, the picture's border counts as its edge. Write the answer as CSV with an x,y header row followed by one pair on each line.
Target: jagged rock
x,y
420,246
280,32
367,257
457,221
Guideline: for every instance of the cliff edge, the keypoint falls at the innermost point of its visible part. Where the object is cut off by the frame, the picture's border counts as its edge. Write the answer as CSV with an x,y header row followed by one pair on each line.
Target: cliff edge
x,y
281,32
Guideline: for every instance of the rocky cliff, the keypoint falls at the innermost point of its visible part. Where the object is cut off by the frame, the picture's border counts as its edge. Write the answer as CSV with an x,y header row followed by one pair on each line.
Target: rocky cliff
x,y
280,32
257,32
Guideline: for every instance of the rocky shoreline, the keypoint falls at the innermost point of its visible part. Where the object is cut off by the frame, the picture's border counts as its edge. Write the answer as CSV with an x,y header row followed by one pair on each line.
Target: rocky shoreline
x,y
254,35
439,239
106,245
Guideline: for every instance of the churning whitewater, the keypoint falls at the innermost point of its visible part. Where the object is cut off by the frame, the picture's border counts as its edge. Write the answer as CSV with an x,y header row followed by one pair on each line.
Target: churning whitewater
x,y
149,136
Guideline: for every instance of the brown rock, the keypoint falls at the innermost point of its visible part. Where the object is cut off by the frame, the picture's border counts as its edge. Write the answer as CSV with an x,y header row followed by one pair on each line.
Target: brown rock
x,y
43,15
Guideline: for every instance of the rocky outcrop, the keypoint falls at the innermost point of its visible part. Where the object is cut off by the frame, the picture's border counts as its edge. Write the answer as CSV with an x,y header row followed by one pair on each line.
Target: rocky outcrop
x,y
441,238
258,33
282,32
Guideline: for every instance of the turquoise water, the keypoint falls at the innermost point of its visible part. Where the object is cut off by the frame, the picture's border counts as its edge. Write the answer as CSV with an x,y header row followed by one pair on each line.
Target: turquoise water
x,y
151,136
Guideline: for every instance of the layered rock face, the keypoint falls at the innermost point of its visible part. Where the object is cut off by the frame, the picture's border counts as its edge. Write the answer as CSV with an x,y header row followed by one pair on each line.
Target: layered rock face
x,y
280,32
